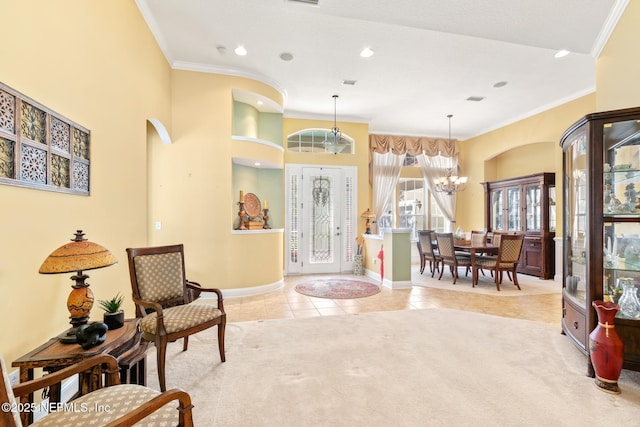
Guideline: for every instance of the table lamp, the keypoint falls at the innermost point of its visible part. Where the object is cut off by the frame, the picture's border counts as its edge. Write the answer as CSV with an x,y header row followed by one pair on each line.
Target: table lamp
x,y
79,255
369,216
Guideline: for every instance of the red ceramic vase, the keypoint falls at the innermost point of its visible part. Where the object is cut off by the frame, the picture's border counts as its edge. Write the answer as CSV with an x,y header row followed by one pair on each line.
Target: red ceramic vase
x,y
606,348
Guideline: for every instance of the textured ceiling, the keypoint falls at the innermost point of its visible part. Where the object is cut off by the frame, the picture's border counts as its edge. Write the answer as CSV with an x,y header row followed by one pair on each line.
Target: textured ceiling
x,y
430,55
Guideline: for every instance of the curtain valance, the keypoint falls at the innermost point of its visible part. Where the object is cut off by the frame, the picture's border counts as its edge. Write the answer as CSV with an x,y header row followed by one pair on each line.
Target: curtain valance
x,y
413,145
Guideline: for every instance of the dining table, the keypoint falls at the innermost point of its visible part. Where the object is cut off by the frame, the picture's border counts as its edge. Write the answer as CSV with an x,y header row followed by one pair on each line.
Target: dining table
x,y
473,249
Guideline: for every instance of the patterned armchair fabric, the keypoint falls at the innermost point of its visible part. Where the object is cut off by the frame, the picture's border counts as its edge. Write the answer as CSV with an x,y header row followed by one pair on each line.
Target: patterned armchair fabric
x,y
164,300
160,277
121,404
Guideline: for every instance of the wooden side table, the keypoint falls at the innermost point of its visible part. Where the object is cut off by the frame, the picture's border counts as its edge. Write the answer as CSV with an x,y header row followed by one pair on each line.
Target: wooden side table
x,y
125,344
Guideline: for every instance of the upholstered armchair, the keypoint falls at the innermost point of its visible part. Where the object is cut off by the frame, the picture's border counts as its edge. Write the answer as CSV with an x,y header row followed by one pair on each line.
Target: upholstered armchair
x,y
127,404
164,300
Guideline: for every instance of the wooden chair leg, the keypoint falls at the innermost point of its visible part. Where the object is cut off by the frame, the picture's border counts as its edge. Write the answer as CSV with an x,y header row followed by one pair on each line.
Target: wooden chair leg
x,y
221,329
185,344
161,351
515,279
422,265
441,271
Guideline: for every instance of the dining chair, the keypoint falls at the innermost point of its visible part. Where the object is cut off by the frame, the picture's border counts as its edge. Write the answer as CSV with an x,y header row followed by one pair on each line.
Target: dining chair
x,y
113,404
507,259
478,237
427,252
164,299
448,256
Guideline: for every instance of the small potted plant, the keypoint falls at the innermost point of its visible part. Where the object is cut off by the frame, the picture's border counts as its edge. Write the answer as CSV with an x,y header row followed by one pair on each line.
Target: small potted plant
x,y
113,314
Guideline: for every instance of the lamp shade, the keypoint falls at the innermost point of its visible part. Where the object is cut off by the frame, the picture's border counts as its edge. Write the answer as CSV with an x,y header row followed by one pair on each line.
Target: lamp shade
x,y
77,255
368,214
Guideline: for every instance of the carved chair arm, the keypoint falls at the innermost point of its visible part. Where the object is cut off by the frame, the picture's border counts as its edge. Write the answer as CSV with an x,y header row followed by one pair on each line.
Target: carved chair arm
x,y
197,288
184,407
148,304
56,377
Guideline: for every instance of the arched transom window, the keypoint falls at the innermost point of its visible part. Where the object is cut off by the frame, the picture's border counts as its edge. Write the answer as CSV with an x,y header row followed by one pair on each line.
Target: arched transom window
x,y
318,141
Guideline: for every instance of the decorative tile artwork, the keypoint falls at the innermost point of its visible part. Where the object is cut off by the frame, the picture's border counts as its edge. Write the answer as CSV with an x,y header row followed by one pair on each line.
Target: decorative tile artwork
x,y
41,149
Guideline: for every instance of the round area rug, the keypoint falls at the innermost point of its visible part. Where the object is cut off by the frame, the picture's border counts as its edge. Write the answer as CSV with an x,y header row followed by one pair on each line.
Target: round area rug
x,y
337,288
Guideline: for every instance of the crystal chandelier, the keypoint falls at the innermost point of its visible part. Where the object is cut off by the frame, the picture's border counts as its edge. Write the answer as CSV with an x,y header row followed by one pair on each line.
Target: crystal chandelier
x,y
333,142
451,182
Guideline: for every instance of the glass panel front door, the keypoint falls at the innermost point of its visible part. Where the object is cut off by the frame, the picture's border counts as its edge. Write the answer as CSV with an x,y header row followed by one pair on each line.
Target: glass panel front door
x,y
321,225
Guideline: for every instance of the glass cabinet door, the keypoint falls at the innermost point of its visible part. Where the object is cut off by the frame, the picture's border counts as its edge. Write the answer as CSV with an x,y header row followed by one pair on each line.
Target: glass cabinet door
x,y
533,207
621,174
497,210
513,209
577,219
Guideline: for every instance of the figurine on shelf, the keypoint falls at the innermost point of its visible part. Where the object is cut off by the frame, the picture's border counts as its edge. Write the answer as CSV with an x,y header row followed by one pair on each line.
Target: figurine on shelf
x,y
631,195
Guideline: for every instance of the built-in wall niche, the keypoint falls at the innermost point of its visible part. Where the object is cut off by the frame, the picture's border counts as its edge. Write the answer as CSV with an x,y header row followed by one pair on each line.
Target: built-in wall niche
x,y
256,117
41,149
265,183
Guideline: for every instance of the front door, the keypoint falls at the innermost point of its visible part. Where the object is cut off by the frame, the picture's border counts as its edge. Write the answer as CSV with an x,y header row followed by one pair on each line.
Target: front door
x,y
321,226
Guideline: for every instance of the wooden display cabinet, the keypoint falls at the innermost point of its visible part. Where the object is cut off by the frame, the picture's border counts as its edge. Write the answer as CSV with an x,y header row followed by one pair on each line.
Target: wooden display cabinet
x,y
525,205
601,224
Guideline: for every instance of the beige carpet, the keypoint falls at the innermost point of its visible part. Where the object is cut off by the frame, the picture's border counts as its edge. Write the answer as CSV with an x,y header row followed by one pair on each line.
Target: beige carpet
x,y
530,285
433,367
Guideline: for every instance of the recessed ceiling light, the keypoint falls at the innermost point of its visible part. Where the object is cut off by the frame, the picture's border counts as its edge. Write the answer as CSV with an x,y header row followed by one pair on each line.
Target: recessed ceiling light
x,y
349,82
256,164
475,98
500,84
366,53
260,102
221,50
240,51
286,56
561,53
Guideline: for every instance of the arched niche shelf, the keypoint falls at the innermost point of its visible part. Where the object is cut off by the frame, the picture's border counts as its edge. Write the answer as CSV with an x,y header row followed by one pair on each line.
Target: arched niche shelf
x,y
162,131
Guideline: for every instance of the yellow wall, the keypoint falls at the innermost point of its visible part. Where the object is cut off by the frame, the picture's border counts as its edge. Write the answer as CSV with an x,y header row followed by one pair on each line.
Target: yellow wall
x,y
489,156
618,66
192,189
97,64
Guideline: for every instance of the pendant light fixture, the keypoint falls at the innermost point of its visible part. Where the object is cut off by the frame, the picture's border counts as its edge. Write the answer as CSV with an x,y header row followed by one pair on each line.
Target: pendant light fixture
x,y
333,142
451,182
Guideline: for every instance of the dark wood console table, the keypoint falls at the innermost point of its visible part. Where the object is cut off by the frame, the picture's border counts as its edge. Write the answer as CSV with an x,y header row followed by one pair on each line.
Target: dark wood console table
x,y
125,344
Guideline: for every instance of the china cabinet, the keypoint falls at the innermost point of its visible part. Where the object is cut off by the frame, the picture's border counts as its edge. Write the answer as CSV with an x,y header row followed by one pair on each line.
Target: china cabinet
x,y
601,226
525,205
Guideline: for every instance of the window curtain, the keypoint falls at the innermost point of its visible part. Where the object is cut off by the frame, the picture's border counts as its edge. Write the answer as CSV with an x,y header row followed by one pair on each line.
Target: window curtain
x,y
434,167
386,173
434,155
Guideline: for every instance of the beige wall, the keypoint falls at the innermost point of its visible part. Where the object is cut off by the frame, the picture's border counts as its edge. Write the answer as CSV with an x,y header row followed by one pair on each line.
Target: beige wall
x,y
97,64
618,66
500,154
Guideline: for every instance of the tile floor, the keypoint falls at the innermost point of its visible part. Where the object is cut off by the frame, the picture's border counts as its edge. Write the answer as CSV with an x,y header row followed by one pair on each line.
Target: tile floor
x,y
287,303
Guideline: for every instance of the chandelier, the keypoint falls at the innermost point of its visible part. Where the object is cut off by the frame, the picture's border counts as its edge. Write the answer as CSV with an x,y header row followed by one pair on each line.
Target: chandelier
x,y
333,142
451,182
